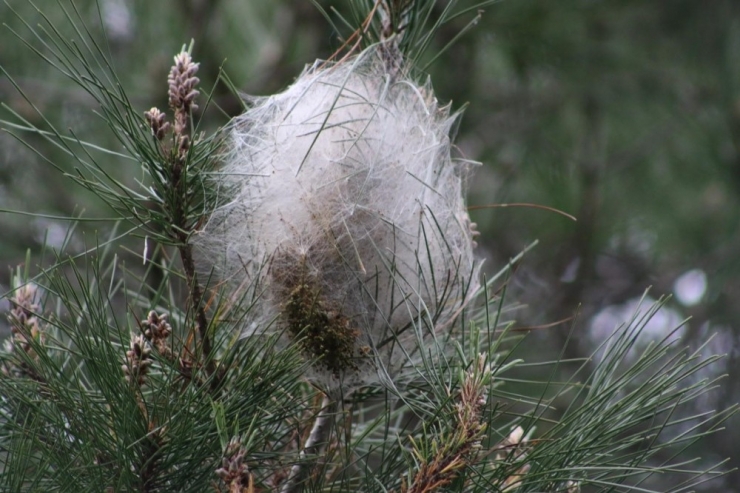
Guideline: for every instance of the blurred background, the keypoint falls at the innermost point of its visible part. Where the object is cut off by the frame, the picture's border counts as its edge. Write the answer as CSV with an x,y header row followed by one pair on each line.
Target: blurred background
x,y
623,113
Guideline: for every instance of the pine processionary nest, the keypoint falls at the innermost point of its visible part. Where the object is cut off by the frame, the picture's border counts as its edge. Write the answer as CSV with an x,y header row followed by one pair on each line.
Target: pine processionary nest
x,y
344,211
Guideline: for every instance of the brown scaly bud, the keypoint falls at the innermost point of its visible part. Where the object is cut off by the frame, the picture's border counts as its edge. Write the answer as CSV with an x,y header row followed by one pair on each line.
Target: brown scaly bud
x,y
183,144
137,360
182,94
185,367
182,82
25,298
234,471
157,330
24,324
156,121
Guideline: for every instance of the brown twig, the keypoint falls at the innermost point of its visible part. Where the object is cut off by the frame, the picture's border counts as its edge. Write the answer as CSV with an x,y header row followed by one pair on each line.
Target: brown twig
x,y
355,37
314,445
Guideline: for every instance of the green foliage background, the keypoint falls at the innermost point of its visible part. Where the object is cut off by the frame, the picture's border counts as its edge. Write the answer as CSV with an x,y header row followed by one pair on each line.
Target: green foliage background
x,y
624,113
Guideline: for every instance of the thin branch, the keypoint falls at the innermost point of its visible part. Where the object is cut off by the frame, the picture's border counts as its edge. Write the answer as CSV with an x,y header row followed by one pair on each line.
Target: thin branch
x,y
182,94
196,298
318,437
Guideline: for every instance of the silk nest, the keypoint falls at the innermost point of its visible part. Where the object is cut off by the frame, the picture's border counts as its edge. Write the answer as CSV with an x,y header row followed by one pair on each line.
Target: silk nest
x,y
343,219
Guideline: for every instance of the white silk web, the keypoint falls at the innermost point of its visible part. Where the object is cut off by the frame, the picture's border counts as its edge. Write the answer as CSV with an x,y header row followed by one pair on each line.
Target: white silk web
x,y
345,212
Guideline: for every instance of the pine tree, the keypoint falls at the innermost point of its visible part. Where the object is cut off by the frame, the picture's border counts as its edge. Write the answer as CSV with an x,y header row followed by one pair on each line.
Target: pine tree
x,y
305,312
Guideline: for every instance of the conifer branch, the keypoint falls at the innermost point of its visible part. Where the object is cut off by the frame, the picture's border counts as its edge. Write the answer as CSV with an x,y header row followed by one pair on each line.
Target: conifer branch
x,y
182,95
316,441
456,449
390,325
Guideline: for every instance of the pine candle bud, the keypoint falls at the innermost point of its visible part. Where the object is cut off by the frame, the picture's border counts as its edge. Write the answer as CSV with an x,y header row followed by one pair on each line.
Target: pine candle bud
x,y
137,361
345,211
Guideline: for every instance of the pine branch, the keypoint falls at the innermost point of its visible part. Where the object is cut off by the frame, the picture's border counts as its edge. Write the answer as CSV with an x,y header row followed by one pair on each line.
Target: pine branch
x,y
456,449
427,412
182,95
316,441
